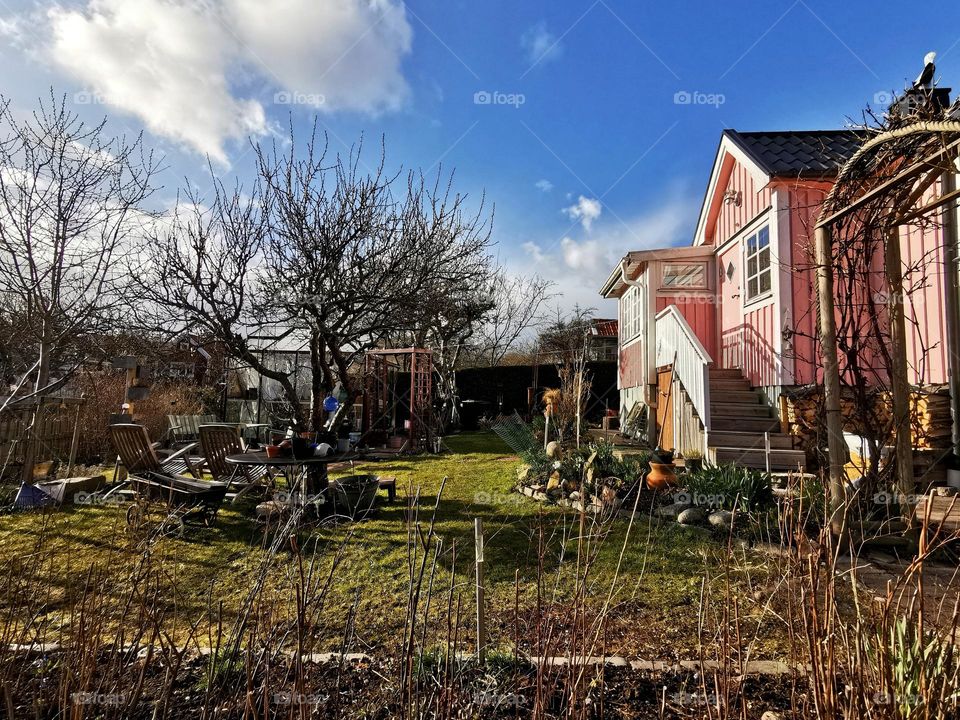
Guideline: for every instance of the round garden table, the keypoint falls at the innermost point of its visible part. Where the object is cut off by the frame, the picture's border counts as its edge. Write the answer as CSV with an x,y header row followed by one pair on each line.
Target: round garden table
x,y
309,474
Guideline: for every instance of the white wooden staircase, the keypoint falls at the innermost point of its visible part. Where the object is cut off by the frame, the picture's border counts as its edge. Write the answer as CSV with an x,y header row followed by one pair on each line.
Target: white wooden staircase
x,y
742,423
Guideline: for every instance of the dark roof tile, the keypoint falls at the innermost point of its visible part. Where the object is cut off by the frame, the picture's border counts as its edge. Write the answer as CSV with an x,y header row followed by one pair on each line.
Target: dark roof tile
x,y
803,153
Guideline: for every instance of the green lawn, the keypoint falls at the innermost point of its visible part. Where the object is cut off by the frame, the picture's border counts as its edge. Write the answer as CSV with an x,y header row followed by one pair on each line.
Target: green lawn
x,y
51,558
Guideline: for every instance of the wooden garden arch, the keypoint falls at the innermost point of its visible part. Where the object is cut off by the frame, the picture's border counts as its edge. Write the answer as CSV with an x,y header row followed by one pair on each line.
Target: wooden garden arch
x,y
896,198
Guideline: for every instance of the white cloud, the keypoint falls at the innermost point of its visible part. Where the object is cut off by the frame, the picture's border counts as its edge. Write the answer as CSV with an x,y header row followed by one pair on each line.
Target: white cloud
x,y
586,210
540,44
579,267
534,251
12,29
177,65
347,52
585,256
544,185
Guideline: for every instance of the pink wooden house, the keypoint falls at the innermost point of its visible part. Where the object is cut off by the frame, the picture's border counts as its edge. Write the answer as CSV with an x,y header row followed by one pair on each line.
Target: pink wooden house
x,y
729,319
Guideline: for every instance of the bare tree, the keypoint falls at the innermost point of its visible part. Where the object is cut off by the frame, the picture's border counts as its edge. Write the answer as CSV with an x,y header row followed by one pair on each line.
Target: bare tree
x,y
450,314
318,246
71,201
517,309
204,271
353,263
567,339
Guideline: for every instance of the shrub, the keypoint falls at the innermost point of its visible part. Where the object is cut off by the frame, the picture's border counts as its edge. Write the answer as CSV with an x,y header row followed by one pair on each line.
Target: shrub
x,y
104,394
605,463
536,458
730,487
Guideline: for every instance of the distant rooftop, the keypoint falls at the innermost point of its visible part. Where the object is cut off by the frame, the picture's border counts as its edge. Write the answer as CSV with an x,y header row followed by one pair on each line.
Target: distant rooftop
x,y
799,153
605,328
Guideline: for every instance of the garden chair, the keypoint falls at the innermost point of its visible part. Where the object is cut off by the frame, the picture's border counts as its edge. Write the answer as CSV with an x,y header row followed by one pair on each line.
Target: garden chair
x,y
153,478
186,428
139,455
218,441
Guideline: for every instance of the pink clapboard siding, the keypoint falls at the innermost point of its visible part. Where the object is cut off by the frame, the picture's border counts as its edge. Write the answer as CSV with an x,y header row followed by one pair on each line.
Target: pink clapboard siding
x,y
730,312
746,335
700,312
923,260
922,254
630,365
728,219
758,332
805,203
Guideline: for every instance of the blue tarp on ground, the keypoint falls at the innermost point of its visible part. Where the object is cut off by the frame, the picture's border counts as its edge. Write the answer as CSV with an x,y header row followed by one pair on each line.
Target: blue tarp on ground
x,y
32,497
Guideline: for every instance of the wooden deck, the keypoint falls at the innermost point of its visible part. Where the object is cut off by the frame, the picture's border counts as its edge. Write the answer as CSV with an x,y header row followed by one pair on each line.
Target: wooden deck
x,y
944,512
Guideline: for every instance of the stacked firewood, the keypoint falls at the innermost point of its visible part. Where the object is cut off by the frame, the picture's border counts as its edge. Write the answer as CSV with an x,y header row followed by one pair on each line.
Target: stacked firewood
x,y
929,416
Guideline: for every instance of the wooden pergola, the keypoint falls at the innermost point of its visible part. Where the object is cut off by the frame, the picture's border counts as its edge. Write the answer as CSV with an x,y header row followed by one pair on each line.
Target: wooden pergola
x,y
921,153
380,402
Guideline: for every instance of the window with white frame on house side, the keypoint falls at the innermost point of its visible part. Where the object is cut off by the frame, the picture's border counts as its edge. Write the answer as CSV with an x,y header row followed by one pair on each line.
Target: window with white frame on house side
x,y
630,314
758,275
690,275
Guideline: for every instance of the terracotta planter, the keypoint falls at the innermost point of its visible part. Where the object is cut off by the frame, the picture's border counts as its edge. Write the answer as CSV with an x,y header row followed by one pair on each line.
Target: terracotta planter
x,y
661,476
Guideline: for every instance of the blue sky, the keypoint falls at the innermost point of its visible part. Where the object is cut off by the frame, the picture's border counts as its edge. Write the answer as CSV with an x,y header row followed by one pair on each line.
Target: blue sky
x,y
566,114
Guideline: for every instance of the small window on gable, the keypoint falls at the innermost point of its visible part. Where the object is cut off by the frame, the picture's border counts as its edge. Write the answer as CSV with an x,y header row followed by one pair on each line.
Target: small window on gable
x,y
758,263
684,275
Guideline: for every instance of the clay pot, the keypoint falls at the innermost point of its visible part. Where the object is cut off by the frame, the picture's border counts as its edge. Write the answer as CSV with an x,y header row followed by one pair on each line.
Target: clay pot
x,y
661,476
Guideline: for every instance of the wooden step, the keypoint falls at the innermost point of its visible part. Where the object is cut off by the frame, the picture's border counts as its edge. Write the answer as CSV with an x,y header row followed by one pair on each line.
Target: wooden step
x,y
779,459
720,385
741,410
752,441
724,423
748,397
727,373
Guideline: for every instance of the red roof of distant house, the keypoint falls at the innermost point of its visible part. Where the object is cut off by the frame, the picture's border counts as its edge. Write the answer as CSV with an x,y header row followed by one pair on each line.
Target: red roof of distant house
x,y
605,328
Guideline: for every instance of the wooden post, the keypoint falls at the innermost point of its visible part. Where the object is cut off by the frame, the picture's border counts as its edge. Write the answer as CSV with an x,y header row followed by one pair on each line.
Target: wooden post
x,y
481,618
75,439
579,399
131,381
951,294
836,445
899,378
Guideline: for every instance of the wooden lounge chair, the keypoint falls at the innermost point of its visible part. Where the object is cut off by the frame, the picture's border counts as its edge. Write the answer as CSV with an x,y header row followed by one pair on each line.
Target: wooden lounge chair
x,y
154,479
218,441
139,455
186,428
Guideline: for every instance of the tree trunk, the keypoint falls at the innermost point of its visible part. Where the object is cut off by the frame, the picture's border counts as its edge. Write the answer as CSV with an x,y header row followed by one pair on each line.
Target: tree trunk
x,y
899,375
320,380
43,380
836,445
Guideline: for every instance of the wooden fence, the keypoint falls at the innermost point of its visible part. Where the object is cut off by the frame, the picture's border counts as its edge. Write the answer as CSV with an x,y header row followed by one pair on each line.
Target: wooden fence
x,y
51,435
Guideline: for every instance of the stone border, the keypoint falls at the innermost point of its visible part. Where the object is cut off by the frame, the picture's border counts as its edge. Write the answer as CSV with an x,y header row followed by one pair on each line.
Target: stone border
x,y
752,667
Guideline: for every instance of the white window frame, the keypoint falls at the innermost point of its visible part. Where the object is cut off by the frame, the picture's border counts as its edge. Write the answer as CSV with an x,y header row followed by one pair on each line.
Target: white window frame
x,y
630,312
704,285
756,254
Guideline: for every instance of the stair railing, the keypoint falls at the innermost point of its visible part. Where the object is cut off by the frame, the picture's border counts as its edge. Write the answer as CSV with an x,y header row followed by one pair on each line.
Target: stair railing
x,y
676,339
